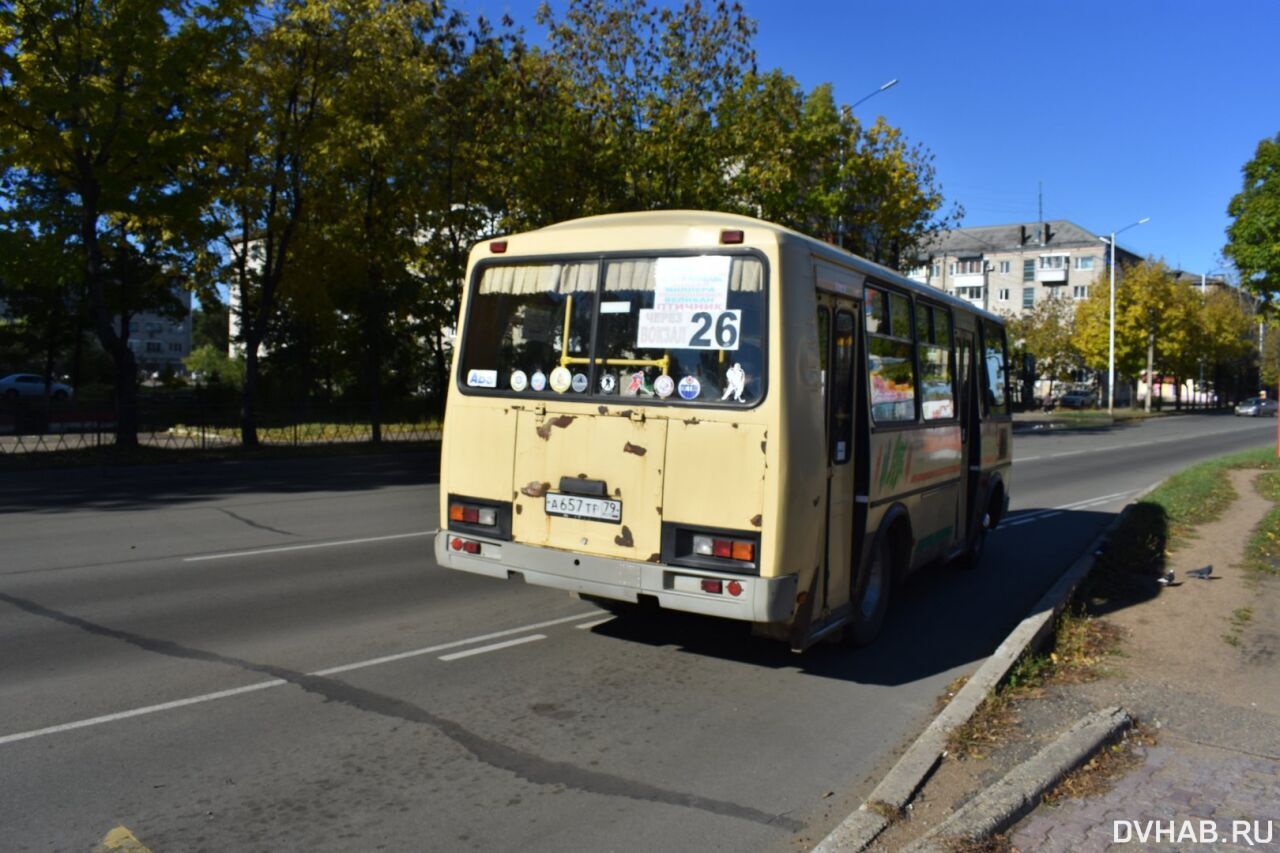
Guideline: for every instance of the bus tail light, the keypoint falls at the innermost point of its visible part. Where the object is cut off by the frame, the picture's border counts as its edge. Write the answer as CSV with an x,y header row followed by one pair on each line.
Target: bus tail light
x,y
725,548
491,519
465,545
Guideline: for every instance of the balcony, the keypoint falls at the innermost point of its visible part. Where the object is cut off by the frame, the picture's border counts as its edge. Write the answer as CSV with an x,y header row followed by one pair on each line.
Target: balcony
x,y
1052,276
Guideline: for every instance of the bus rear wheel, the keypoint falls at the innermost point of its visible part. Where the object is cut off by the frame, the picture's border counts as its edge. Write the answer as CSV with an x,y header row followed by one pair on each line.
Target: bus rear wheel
x,y
871,598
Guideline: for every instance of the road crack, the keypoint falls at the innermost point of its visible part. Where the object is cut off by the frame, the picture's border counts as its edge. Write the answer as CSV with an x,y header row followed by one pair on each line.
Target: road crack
x,y
527,766
253,523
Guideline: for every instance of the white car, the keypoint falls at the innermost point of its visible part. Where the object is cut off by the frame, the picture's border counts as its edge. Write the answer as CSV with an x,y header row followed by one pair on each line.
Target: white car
x,y
30,385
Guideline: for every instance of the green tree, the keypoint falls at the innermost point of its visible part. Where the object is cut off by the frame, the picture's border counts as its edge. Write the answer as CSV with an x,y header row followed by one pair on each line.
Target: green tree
x,y
1253,238
1046,332
209,325
99,118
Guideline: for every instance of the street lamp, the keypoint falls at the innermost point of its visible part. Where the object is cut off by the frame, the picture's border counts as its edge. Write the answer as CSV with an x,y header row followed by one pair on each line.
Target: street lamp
x,y
883,86
1111,330
848,112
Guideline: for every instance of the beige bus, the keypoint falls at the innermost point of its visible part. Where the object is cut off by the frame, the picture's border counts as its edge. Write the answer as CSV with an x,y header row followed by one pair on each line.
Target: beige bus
x,y
718,415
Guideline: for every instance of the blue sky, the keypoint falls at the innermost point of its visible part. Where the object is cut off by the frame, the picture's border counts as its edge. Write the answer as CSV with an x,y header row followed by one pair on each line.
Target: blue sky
x,y
1123,109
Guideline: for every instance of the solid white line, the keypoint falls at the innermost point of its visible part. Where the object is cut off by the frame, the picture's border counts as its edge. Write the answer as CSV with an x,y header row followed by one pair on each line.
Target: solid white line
x,y
493,648
262,685
305,547
587,626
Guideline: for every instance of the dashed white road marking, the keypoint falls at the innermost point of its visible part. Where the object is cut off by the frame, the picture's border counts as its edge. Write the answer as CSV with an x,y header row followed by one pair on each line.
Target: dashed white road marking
x,y
587,626
493,647
1042,514
284,548
277,682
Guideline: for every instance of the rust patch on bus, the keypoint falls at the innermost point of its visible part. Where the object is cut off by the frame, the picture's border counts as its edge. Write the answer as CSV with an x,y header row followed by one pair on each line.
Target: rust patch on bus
x,y
604,410
764,447
625,413
659,510
634,448
544,431
756,520
654,558
624,538
535,489
519,509
617,492
692,422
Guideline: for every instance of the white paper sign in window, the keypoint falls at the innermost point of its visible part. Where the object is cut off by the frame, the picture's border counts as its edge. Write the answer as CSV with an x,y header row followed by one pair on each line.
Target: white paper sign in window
x,y
690,306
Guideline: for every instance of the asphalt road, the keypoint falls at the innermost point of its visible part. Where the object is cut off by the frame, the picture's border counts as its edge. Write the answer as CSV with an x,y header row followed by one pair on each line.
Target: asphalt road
x,y
222,657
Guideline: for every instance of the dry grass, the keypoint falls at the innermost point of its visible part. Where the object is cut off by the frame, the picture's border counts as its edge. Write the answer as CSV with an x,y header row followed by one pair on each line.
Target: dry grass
x,y
994,844
1098,774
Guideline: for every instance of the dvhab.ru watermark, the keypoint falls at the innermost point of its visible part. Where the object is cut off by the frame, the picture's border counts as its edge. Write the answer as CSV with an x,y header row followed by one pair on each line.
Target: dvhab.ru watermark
x,y
1250,833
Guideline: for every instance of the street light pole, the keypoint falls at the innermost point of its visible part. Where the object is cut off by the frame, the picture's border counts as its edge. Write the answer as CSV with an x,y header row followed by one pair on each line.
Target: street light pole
x,y
1111,326
848,112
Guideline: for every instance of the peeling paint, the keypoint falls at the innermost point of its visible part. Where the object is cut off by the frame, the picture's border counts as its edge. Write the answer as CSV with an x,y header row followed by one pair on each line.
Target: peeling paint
x,y
519,509
617,493
544,431
626,413
659,510
535,489
735,426
624,539
756,520
692,422
654,558
764,446
634,448
604,410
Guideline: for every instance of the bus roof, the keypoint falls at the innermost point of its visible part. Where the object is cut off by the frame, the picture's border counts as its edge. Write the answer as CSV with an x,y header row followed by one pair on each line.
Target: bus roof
x,y
712,219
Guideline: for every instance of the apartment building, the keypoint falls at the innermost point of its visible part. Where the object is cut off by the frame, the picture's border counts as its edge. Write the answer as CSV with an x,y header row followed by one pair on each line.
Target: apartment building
x,y
160,342
1008,269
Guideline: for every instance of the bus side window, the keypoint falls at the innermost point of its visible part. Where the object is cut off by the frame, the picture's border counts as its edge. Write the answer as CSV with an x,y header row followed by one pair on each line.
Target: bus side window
x,y
891,375
995,372
937,388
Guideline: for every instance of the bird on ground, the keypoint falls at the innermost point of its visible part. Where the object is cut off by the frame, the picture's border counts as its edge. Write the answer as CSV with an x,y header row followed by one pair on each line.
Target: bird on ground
x,y
1202,574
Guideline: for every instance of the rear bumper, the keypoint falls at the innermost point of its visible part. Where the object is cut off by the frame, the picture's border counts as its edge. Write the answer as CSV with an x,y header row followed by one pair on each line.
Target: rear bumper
x,y
675,587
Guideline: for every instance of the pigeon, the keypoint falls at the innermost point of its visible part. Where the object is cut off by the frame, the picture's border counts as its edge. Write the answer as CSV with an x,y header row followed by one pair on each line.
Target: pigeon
x,y
1166,578
1202,574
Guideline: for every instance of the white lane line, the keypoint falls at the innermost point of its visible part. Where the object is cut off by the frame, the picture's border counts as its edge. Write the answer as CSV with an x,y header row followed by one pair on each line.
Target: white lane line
x,y
587,626
305,547
263,685
518,641
1038,515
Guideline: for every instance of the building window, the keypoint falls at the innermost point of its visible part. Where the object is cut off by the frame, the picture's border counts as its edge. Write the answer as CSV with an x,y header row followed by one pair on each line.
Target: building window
x,y
1054,262
1029,270
175,346
1004,266
971,292
133,327
969,266
1080,291
154,346
951,269
1084,263
1028,297
1004,294
937,270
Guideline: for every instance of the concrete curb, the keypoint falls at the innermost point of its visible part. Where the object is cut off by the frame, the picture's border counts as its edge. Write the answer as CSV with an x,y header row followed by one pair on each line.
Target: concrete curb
x,y
1000,806
856,832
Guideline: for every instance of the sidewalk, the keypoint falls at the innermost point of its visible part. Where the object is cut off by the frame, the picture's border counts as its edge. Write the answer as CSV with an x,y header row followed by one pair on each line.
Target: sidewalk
x,y
1196,662
1200,668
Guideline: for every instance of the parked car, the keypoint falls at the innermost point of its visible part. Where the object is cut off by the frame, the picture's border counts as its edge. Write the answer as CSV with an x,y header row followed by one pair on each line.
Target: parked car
x,y
30,385
1257,407
1077,400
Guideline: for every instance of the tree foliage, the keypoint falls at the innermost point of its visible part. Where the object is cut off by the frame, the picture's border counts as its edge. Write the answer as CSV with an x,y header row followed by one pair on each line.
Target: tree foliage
x,y
1253,238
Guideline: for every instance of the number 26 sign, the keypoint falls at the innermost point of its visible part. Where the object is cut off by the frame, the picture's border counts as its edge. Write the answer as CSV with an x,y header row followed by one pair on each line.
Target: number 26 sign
x,y
715,330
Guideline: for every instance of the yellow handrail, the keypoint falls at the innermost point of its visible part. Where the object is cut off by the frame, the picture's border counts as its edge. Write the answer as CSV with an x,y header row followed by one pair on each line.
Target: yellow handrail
x,y
565,359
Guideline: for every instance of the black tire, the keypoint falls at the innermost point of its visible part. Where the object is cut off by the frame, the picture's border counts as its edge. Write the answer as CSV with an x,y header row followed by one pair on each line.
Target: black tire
x,y
871,598
972,554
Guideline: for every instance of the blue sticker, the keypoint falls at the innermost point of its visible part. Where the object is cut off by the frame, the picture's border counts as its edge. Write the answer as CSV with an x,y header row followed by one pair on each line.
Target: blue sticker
x,y
690,388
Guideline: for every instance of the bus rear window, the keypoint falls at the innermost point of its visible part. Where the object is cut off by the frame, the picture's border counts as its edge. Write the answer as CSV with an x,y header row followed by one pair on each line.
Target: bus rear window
x,y
672,329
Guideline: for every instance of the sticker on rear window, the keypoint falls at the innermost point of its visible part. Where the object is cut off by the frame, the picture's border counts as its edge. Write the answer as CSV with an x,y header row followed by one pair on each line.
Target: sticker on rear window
x,y
539,381
615,307
482,378
690,388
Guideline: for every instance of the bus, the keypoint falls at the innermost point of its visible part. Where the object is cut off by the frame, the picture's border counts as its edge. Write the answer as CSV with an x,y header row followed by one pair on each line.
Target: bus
x,y
718,415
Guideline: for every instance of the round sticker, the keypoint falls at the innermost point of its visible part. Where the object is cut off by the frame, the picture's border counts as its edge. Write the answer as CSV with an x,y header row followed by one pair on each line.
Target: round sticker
x,y
539,381
560,379
690,387
663,386
607,383
519,381
579,382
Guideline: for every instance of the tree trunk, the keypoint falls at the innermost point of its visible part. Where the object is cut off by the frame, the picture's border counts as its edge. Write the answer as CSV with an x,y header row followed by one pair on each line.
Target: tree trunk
x,y
249,393
1151,357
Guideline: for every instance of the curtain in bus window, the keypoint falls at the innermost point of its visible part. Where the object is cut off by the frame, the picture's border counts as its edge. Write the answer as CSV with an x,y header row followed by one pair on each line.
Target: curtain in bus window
x,y
745,275
892,379
994,376
516,323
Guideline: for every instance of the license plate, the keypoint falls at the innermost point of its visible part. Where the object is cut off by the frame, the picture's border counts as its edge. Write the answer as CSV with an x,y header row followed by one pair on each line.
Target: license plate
x,y
594,509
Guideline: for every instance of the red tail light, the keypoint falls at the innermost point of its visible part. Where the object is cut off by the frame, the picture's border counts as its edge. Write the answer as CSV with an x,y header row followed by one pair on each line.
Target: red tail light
x,y
722,548
498,246
713,586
